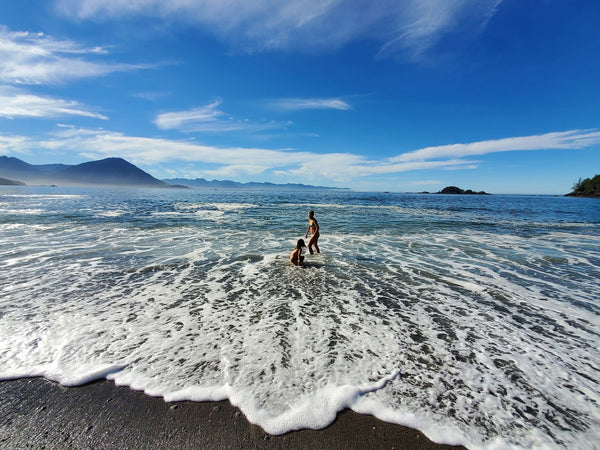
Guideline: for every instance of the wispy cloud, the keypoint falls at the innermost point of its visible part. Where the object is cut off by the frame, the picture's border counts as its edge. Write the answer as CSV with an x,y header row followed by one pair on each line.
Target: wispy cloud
x,y
260,162
150,96
408,26
35,58
558,140
420,25
16,103
14,144
210,119
298,104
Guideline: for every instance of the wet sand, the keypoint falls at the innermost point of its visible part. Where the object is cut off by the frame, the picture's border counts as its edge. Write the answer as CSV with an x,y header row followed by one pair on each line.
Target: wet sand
x,y
36,413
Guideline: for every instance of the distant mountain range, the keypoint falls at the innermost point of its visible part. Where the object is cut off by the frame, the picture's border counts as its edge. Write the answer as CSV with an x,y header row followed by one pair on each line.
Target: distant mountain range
x,y
201,183
114,172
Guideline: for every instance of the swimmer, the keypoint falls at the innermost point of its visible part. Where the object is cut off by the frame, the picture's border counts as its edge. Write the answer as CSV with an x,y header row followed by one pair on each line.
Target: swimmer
x,y
313,228
296,257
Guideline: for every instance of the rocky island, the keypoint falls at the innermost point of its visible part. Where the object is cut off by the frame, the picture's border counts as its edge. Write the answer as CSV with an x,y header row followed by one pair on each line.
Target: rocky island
x,y
457,190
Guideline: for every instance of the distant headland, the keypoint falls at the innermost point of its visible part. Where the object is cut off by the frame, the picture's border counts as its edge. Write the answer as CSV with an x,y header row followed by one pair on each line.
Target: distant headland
x,y
590,187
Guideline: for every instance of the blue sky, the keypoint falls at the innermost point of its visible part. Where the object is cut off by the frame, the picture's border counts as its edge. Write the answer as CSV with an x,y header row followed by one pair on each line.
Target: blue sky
x,y
413,95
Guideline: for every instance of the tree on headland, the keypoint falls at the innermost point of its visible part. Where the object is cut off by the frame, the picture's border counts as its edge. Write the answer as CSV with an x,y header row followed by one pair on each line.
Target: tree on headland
x,y
586,188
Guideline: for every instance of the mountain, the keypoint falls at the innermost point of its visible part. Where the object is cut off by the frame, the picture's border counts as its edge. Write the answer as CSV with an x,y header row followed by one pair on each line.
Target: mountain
x,y
15,169
586,188
106,172
109,171
201,183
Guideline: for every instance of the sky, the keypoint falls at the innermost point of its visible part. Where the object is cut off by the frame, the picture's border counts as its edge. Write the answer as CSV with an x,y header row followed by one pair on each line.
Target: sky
x,y
394,95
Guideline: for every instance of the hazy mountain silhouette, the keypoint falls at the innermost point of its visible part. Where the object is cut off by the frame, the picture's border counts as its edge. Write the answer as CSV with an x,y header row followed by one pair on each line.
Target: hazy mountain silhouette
x,y
109,171
106,172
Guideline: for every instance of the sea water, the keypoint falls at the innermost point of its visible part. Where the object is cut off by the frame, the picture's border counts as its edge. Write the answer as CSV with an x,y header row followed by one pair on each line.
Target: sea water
x,y
474,319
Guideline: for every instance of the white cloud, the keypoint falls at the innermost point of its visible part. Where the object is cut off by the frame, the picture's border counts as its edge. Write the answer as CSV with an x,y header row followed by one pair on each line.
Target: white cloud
x,y
151,151
557,140
297,104
210,119
15,144
234,162
407,26
18,103
34,58
183,119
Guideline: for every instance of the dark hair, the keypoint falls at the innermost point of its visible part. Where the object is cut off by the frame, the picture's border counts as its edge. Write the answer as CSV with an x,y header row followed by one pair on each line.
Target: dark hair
x,y
300,243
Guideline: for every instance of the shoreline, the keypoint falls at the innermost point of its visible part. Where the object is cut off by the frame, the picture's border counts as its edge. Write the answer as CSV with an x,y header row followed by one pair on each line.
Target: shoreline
x,y
35,412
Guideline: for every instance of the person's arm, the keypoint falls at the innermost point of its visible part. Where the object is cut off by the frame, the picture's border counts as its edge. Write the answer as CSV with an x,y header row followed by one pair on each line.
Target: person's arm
x,y
307,230
316,226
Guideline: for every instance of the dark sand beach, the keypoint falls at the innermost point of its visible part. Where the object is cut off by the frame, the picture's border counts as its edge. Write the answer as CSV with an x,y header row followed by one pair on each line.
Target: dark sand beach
x,y
36,413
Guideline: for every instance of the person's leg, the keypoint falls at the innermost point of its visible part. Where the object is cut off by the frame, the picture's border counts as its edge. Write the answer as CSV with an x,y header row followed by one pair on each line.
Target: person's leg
x,y
313,241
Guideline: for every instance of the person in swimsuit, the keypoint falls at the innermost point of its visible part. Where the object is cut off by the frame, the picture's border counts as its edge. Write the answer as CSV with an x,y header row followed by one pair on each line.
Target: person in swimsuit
x,y
313,228
296,257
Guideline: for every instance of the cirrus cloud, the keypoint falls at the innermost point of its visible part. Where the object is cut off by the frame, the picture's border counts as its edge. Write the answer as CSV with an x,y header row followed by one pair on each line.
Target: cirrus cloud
x,y
299,104
210,119
410,27
35,58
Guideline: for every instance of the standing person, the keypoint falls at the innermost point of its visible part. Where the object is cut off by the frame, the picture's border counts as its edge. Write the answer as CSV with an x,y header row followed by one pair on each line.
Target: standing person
x,y
313,228
296,257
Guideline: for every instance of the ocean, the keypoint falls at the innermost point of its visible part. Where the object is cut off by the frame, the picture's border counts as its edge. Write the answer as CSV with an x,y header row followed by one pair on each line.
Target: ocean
x,y
474,319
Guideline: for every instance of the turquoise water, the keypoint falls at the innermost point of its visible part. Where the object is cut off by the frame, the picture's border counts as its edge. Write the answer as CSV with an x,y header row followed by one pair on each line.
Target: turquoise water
x,y
473,319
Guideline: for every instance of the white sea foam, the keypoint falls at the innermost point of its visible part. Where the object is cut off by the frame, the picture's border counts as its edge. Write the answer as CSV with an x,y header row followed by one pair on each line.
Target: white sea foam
x,y
485,338
44,196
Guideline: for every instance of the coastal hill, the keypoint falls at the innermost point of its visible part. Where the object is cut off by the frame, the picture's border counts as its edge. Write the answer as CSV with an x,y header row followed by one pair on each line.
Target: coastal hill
x,y
456,190
106,172
586,188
